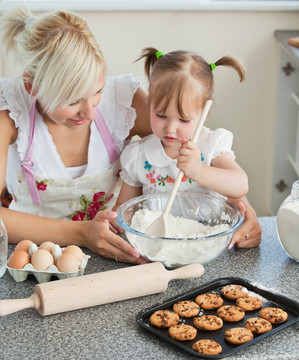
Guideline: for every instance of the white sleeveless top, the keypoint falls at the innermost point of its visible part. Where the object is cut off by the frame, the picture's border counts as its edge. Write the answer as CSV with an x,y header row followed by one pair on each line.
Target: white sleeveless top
x,y
116,109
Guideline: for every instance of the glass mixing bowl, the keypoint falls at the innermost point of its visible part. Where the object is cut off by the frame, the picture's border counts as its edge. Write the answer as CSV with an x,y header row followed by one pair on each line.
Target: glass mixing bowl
x,y
184,245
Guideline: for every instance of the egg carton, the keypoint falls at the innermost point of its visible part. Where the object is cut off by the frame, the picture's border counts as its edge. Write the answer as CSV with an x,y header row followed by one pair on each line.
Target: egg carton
x,y
20,275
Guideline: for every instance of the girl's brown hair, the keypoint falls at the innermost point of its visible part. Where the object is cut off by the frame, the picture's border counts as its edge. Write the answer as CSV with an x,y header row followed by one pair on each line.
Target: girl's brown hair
x,y
183,74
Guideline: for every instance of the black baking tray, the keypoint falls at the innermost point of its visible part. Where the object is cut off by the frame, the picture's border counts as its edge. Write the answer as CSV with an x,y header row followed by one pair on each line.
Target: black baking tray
x,y
269,300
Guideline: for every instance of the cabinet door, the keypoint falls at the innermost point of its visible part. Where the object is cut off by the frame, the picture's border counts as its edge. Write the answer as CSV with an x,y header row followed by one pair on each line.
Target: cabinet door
x,y
286,162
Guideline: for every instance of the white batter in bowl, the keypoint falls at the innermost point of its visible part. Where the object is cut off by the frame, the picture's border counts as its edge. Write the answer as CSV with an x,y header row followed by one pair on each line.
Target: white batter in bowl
x,y
201,227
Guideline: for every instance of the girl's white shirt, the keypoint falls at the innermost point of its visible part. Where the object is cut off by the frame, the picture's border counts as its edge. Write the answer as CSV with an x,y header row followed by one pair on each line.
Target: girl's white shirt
x,y
115,106
145,163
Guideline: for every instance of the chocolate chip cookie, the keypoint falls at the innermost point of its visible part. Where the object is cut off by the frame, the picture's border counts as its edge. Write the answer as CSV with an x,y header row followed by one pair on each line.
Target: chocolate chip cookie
x,y
258,325
209,301
238,335
231,313
164,318
182,332
208,322
274,315
186,308
234,292
249,303
207,347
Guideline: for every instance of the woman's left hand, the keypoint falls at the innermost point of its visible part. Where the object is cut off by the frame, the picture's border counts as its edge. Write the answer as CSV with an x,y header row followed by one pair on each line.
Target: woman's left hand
x,y
100,240
249,234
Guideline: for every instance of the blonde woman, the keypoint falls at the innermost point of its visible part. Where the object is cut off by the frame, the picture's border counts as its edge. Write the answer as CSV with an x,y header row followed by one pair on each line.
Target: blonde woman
x,y
63,126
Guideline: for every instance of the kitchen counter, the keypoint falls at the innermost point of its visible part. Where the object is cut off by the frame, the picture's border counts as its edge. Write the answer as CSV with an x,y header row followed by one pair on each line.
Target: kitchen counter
x,y
110,331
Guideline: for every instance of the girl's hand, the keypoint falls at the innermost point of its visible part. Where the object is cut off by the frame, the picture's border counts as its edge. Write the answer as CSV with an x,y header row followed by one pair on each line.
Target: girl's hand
x,y
102,241
189,160
249,234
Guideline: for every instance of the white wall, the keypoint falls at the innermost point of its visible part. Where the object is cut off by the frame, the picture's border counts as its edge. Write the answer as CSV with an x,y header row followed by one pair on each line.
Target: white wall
x,y
248,109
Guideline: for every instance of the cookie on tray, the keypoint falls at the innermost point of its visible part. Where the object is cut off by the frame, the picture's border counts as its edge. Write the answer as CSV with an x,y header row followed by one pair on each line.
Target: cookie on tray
x,y
249,303
164,318
208,322
233,291
207,347
238,335
274,315
231,313
182,332
258,325
209,301
186,308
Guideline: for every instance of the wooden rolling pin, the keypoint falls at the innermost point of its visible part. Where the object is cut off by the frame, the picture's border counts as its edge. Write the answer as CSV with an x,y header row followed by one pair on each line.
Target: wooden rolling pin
x,y
99,288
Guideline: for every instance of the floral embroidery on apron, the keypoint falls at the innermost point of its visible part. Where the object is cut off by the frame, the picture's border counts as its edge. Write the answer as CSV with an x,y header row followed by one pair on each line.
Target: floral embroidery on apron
x,y
76,199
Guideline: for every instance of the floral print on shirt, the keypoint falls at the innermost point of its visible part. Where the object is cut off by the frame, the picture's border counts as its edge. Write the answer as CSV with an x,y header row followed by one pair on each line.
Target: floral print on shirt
x,y
41,185
158,179
90,207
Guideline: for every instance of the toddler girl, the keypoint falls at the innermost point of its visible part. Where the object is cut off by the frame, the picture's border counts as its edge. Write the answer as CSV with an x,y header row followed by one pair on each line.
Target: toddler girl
x,y
180,82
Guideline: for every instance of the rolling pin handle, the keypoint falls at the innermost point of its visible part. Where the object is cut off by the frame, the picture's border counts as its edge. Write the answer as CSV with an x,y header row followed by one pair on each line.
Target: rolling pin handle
x,y
187,272
13,305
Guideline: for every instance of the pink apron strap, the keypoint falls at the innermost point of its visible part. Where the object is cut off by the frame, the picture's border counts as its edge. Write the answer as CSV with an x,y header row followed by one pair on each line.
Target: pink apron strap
x,y
27,163
106,135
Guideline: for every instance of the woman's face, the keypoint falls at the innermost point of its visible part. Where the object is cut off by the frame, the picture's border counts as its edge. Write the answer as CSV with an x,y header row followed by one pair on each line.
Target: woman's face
x,y
171,128
79,113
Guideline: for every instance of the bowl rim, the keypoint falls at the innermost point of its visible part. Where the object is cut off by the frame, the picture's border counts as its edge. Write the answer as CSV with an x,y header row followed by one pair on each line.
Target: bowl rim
x,y
128,203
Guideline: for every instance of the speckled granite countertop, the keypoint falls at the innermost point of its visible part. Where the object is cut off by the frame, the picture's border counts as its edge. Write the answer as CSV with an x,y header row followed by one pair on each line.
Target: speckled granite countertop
x,y
110,331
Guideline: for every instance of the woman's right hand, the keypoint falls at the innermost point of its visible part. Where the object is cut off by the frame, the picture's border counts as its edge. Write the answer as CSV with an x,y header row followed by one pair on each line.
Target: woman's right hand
x,y
102,241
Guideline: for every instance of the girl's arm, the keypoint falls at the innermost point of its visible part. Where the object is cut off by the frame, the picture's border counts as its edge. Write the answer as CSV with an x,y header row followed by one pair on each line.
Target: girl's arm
x,y
224,175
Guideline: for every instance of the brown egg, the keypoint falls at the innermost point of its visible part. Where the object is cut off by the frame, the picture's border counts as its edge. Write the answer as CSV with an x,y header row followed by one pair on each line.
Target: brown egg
x,y
18,259
67,262
47,245
41,260
24,245
75,250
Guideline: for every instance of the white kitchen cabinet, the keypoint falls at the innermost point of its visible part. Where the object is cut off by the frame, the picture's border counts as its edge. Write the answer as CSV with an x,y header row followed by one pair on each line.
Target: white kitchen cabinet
x,y
286,151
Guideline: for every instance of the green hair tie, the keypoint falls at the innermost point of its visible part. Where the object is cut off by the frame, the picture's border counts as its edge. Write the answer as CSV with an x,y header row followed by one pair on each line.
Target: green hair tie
x,y
159,54
213,66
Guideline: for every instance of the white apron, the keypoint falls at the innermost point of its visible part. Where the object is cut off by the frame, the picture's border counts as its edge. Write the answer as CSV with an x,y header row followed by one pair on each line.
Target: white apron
x,y
76,199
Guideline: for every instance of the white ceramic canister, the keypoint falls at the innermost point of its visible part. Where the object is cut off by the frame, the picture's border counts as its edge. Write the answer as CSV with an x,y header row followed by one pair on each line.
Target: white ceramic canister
x,y
3,248
288,223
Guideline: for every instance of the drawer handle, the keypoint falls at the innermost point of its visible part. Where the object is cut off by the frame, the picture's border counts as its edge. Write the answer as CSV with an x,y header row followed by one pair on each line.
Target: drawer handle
x,y
281,185
288,69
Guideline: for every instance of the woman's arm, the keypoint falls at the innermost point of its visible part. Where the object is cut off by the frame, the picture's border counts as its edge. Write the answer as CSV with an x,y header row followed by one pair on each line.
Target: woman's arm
x,y
142,125
94,235
250,233
8,135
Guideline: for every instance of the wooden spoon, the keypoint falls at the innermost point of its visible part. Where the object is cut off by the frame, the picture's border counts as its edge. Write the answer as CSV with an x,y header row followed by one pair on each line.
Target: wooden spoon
x,y
159,226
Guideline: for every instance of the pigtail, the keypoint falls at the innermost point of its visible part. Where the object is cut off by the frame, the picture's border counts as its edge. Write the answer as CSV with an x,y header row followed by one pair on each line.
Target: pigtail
x,y
149,54
12,24
233,63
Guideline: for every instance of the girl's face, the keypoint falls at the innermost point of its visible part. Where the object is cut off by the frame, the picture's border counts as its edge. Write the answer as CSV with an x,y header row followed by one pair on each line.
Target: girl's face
x,y
171,128
79,113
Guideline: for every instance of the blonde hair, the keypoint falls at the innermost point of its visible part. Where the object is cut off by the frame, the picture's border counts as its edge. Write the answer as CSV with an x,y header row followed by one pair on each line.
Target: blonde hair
x,y
184,75
62,60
